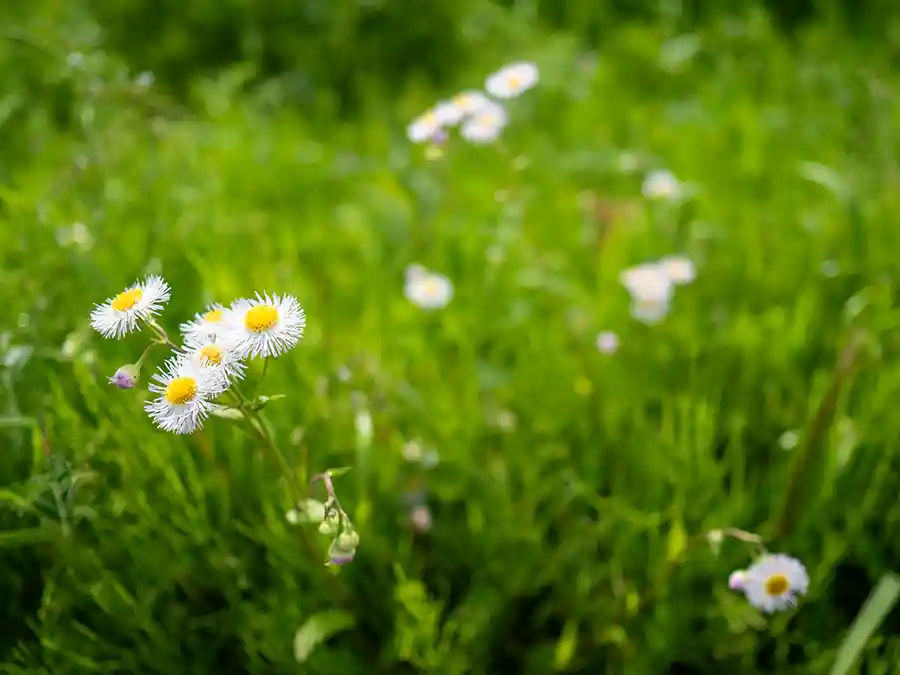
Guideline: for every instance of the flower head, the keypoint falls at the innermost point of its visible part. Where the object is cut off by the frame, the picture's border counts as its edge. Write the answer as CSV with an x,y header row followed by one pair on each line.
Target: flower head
x,y
680,269
486,124
121,314
264,326
185,391
607,342
424,127
661,184
218,356
513,80
774,581
651,291
428,290
470,102
205,325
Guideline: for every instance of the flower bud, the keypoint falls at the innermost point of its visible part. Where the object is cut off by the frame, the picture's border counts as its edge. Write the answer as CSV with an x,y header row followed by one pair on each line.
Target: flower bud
x,y
348,541
736,580
126,377
339,556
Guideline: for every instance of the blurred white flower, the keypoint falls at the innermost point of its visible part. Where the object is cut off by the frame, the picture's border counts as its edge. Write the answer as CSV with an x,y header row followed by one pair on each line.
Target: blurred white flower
x,y
607,342
680,269
661,185
424,127
428,290
512,80
412,451
448,113
651,292
470,102
774,581
485,125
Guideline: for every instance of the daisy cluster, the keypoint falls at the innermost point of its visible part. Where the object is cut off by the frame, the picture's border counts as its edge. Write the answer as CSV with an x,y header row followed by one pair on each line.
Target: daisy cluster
x,y
479,115
216,344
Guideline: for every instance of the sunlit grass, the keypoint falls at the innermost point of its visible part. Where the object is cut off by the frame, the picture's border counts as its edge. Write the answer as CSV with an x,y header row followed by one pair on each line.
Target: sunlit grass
x,y
569,508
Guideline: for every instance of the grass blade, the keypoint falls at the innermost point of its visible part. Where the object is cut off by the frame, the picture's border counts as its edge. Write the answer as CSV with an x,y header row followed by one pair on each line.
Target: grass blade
x,y
880,601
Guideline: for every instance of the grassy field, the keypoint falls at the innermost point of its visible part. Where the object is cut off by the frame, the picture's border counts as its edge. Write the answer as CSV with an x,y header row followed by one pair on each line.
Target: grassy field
x,y
571,491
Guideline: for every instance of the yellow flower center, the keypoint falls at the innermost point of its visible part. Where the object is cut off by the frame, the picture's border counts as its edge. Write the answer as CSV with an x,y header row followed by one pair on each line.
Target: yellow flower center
x,y
777,585
260,318
213,316
431,287
461,100
127,299
211,355
514,81
181,390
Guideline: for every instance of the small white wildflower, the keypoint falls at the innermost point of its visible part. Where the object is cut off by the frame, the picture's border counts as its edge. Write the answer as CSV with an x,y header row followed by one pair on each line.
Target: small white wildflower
x,y
470,102
662,185
448,113
429,291
486,125
774,581
651,292
680,269
512,80
205,325
121,314
267,325
424,127
607,342
185,396
219,357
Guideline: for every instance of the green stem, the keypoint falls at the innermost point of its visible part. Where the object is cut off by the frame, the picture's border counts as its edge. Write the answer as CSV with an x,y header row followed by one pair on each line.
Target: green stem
x,y
161,333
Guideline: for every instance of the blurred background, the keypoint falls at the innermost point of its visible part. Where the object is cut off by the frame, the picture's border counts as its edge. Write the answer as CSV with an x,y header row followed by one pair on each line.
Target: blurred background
x,y
526,504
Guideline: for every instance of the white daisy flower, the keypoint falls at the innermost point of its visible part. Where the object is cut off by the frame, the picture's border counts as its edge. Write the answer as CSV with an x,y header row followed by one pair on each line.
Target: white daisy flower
x,y
607,342
185,391
774,581
218,356
120,315
264,326
651,292
661,185
428,290
448,113
205,325
680,269
513,80
470,102
424,127
485,125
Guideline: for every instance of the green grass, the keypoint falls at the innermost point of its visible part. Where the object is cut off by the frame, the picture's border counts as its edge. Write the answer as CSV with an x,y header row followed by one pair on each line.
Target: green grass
x,y
567,541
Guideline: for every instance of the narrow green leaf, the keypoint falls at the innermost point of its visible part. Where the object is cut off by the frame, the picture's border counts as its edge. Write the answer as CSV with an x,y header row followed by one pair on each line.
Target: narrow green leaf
x,y
880,601
318,628
565,647
232,414
25,537
16,422
14,498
